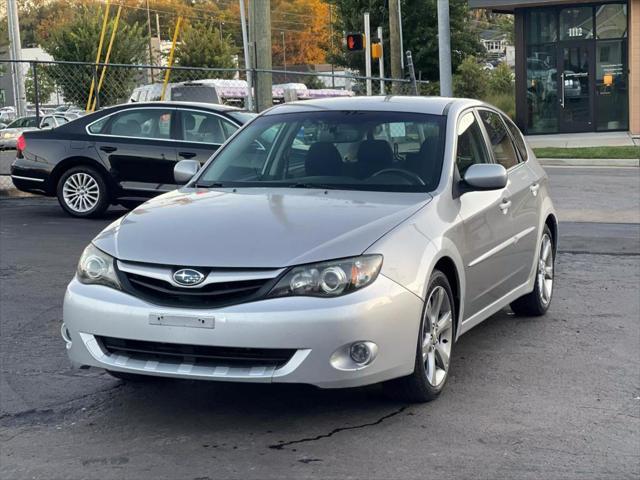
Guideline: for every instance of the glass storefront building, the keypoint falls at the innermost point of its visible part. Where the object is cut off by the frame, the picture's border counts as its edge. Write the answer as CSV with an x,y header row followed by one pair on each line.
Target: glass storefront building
x,y
573,71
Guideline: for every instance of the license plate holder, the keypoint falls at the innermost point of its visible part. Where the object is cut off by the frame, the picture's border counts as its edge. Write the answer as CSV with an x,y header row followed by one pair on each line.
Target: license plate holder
x,y
190,321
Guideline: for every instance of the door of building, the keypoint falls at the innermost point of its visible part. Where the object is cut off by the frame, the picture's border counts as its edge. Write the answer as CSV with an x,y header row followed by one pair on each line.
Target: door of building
x,y
576,86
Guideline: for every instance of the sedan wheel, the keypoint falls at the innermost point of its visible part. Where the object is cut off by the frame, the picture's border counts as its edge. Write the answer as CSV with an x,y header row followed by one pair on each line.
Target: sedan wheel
x,y
437,336
435,343
82,192
545,270
537,302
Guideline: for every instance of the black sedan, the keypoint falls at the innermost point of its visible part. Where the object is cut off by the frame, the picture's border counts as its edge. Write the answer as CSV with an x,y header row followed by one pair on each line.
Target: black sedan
x,y
120,155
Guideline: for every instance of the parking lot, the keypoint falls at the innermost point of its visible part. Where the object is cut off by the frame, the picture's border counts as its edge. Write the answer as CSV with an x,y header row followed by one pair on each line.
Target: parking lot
x,y
549,397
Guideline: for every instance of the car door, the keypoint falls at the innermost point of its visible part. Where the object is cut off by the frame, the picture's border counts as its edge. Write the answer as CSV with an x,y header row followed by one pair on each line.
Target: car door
x,y
486,228
199,134
522,215
137,146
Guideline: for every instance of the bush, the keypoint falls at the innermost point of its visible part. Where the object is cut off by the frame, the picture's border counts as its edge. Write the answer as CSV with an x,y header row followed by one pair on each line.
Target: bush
x,y
505,101
501,79
470,80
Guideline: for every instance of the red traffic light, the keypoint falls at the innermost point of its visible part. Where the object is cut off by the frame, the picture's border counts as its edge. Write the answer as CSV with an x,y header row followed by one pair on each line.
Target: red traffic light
x,y
355,42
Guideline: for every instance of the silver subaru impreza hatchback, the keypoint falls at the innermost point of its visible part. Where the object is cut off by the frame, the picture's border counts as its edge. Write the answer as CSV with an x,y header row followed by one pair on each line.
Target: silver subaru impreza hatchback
x,y
338,242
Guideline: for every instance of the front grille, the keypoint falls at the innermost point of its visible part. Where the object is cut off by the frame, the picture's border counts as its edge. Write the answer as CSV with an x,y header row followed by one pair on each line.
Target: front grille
x,y
220,294
197,354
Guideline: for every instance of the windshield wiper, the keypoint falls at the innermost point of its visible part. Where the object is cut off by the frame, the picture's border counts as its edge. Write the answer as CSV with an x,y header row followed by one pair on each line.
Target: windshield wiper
x,y
209,185
320,186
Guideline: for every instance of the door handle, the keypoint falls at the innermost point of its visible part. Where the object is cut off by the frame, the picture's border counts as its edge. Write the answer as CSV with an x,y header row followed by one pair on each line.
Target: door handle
x,y
505,205
108,149
187,154
534,189
562,82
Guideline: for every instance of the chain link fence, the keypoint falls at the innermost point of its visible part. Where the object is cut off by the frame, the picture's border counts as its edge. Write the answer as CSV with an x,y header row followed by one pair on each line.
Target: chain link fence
x,y
79,87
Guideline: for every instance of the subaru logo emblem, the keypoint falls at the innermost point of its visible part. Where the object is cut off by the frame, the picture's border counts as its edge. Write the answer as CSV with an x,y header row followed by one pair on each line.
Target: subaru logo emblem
x,y
188,277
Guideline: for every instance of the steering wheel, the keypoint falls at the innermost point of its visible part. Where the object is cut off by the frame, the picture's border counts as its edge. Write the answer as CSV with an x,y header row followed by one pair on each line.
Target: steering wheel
x,y
402,172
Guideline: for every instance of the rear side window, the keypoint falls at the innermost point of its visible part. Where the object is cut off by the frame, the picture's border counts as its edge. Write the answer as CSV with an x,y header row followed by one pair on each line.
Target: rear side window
x,y
517,139
501,144
205,127
140,123
472,148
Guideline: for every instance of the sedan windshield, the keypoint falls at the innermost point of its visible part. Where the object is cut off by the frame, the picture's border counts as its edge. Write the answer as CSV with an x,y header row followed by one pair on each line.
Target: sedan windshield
x,y
386,151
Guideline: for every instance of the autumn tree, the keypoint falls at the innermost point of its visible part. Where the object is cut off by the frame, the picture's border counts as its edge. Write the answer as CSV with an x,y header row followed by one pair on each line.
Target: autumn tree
x,y
305,24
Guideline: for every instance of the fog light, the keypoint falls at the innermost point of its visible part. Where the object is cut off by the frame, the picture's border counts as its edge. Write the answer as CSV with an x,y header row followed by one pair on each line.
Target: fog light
x,y
360,352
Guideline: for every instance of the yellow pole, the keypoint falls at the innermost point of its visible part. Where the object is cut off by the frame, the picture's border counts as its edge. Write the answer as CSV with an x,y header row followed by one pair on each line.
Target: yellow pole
x,y
170,61
106,58
104,29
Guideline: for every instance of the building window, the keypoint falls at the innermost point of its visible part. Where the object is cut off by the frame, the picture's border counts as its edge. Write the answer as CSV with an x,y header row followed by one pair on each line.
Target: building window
x,y
576,23
611,21
612,85
541,26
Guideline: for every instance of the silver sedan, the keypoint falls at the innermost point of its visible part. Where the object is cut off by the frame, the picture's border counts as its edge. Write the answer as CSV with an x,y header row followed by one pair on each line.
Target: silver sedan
x,y
338,242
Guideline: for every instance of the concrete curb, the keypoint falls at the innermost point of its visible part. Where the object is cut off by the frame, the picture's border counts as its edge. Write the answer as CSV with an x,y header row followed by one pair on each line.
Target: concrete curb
x,y
591,162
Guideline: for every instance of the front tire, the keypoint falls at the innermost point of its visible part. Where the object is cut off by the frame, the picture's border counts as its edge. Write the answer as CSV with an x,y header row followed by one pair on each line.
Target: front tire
x,y
537,302
82,192
434,346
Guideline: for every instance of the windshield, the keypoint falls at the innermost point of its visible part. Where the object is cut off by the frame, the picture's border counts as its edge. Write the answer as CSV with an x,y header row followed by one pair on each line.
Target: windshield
x,y
387,151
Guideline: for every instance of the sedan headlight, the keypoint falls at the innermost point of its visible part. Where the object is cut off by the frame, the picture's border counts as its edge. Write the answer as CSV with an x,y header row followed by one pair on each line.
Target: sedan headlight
x,y
97,268
329,279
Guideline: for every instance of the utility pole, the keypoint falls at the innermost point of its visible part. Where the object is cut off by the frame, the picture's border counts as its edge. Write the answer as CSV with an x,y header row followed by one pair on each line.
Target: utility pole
x,y
150,46
367,52
247,57
381,61
284,57
395,45
260,36
444,49
16,55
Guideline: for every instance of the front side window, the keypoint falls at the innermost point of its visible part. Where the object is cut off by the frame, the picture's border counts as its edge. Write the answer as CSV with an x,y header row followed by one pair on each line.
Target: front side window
x,y
140,123
388,151
471,147
204,127
518,140
501,143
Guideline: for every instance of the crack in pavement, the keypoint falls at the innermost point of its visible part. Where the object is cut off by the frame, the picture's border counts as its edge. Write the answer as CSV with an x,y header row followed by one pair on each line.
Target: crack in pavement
x,y
282,445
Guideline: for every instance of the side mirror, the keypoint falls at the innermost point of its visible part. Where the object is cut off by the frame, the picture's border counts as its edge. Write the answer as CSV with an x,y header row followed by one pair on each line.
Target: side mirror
x,y
486,176
185,170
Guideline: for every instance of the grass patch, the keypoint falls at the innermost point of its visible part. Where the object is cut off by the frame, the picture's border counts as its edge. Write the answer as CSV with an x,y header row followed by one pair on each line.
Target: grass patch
x,y
588,152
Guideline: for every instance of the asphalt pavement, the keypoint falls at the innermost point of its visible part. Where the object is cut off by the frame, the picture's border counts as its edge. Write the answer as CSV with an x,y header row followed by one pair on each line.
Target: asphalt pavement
x,y
529,398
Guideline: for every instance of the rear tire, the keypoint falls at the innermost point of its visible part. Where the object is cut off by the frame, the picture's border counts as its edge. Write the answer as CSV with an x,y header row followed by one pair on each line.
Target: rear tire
x,y
433,349
82,192
537,302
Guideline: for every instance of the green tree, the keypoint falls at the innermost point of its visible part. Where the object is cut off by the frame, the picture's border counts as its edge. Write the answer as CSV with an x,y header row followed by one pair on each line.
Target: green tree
x,y
501,79
46,85
420,32
77,40
201,45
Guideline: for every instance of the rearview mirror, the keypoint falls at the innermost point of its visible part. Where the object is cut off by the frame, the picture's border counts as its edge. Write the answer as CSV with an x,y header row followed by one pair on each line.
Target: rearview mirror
x,y
185,170
486,176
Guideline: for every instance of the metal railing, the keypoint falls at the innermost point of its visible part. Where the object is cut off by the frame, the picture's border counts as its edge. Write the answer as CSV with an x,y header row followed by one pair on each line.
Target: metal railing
x,y
51,85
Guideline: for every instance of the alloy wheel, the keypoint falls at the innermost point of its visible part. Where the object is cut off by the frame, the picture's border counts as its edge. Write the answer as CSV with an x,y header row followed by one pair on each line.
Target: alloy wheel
x,y
437,336
81,192
545,270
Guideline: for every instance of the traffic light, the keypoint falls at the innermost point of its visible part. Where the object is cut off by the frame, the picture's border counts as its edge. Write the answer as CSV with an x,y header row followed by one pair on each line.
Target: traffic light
x,y
355,42
376,50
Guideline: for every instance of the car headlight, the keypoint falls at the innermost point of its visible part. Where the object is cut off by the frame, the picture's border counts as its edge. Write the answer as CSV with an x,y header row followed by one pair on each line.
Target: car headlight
x,y
97,268
329,279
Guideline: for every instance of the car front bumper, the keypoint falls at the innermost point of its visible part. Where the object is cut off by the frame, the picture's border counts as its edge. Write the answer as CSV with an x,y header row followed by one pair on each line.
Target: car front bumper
x,y
319,329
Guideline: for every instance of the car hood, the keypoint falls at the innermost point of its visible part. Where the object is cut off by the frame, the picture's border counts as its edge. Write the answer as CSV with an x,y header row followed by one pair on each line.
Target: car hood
x,y
256,227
